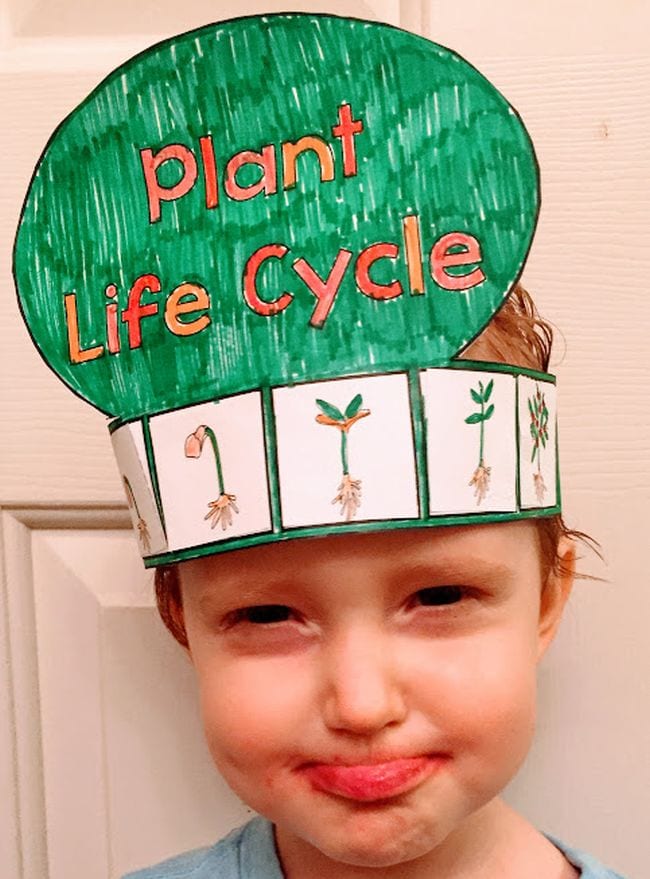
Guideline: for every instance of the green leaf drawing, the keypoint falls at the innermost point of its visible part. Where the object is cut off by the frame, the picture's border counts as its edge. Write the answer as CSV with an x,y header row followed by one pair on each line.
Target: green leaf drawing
x,y
353,406
349,490
538,425
481,476
330,410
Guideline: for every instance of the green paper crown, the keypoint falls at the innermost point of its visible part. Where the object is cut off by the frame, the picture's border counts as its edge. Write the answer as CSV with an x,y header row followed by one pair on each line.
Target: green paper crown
x,y
277,224
268,199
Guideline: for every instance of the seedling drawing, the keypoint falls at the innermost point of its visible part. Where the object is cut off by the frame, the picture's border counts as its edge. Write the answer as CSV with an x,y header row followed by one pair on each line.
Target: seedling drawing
x,y
539,432
141,525
481,478
221,510
349,490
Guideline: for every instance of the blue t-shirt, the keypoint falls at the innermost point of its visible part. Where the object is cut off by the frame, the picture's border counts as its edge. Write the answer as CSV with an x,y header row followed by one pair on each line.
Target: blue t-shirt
x,y
249,853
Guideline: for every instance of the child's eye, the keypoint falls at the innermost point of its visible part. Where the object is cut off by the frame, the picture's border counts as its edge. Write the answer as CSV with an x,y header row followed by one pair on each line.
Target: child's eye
x,y
435,596
261,614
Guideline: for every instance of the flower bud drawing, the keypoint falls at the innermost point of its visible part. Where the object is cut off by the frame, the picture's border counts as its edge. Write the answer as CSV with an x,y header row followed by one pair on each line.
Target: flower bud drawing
x,y
221,510
349,490
481,477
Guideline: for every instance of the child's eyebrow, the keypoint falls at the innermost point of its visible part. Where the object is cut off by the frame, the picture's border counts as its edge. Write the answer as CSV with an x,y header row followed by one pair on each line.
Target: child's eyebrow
x,y
474,569
256,593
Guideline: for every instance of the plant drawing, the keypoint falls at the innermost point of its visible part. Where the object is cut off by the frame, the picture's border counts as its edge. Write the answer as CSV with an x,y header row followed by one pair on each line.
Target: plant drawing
x,y
349,490
481,478
143,532
221,510
539,431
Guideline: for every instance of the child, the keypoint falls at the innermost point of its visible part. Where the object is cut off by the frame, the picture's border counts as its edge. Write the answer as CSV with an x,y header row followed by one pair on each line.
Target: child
x,y
409,660
357,531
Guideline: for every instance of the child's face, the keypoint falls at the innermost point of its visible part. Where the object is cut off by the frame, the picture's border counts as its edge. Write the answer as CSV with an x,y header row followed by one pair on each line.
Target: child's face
x,y
367,649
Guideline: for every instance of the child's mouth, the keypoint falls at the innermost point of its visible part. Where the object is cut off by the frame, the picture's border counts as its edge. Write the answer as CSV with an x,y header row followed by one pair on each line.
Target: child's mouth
x,y
375,781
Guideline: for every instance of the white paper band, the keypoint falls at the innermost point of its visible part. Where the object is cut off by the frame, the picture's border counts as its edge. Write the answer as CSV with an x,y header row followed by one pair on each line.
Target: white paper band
x,y
473,443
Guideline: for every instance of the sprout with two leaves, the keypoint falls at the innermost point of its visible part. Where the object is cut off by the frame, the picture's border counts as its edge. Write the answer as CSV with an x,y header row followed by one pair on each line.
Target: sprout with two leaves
x,y
221,510
349,490
481,478
141,524
539,431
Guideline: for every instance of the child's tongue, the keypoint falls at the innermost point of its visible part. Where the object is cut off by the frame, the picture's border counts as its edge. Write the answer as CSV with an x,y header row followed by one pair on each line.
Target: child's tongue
x,y
370,781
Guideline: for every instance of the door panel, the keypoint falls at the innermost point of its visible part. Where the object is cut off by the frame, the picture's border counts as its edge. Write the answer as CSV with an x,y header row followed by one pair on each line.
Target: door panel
x,y
113,769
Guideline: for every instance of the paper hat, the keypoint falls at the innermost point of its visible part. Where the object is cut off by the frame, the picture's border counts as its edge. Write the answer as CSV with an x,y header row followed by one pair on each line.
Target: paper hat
x,y
259,247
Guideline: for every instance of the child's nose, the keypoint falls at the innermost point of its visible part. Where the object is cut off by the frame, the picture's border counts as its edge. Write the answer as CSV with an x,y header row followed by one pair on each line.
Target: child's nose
x,y
361,692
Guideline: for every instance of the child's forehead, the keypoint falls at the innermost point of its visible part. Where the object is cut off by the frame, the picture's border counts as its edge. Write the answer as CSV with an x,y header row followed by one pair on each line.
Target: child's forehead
x,y
494,549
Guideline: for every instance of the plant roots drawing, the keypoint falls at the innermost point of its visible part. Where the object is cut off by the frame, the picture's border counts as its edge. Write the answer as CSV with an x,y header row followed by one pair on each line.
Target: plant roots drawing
x,y
221,510
481,477
141,525
349,490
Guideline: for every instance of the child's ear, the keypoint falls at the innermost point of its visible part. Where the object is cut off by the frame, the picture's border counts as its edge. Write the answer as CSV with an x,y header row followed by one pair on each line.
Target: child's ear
x,y
179,631
555,593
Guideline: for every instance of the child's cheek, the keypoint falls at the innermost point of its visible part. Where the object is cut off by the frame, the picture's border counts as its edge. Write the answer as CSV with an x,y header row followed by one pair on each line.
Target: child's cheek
x,y
489,707
246,705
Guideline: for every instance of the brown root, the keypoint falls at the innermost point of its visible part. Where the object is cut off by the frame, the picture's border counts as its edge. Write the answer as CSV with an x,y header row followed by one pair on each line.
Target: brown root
x,y
481,482
143,534
349,497
540,486
221,511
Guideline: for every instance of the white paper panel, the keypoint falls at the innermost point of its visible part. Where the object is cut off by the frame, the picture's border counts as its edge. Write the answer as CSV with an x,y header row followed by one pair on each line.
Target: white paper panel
x,y
380,452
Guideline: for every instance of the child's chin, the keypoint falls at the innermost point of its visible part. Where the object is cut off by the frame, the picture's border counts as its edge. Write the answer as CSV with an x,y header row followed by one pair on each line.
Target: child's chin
x,y
376,859
379,850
